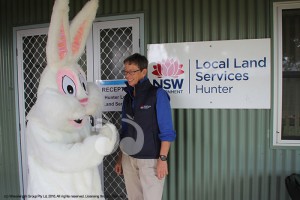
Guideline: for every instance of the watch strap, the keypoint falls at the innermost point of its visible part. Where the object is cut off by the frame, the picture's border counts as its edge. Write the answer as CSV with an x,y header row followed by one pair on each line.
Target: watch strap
x,y
163,157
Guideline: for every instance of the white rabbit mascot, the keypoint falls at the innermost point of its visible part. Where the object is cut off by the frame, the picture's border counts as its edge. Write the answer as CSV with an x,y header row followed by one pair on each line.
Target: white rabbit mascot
x,y
63,153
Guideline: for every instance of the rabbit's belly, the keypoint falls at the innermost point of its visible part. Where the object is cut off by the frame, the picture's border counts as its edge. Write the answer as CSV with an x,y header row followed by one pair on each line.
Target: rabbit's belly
x,y
44,181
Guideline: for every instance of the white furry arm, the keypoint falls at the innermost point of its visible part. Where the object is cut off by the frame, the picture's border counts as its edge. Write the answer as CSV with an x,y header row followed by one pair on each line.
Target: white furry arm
x,y
59,156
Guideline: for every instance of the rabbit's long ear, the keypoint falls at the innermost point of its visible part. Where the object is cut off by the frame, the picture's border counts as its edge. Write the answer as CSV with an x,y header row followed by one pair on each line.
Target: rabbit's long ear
x,y
58,43
80,28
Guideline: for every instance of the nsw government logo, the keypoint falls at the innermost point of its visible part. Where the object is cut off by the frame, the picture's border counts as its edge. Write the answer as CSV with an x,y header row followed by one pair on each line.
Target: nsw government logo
x,y
168,73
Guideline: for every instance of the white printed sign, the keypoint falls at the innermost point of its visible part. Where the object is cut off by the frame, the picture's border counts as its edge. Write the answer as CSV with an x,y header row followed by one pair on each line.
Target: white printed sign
x,y
216,74
112,93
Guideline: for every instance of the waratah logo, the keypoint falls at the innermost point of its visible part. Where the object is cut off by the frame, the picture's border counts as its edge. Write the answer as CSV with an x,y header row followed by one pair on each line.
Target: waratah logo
x,y
168,68
145,107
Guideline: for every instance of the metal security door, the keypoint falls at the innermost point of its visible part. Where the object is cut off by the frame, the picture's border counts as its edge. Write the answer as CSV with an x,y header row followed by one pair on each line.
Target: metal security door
x,y
31,61
113,42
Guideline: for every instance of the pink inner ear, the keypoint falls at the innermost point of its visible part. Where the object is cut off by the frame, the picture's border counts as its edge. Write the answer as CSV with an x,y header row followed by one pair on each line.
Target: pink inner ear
x,y
78,38
62,43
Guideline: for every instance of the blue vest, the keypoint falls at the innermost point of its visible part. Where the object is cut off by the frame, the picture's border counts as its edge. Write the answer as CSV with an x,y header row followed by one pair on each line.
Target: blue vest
x,y
141,109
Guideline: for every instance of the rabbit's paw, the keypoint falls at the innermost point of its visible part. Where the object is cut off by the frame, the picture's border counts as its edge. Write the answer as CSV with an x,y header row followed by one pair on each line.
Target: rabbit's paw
x,y
101,145
110,131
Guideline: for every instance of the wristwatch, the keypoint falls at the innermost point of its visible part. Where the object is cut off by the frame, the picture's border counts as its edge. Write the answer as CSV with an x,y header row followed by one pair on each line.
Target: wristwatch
x,y
163,157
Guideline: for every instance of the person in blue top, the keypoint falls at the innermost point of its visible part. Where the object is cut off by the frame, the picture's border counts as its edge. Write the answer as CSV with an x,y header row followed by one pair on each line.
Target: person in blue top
x,y
147,133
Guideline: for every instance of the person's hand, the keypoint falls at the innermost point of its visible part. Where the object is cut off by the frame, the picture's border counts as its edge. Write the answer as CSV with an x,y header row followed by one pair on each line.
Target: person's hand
x,y
161,169
118,168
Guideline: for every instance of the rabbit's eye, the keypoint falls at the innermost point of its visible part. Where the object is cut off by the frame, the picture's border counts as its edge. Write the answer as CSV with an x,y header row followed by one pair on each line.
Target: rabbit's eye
x,y
83,82
68,86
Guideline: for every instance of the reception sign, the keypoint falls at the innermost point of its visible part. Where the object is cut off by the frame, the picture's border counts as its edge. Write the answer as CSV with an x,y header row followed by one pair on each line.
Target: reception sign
x,y
112,94
217,74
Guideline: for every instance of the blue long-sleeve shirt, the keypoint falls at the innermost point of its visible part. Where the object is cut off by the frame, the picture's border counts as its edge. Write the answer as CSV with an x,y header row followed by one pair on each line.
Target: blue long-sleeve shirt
x,y
164,116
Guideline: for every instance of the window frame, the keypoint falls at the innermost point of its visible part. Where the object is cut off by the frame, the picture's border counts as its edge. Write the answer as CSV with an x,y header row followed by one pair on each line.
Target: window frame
x,y
278,8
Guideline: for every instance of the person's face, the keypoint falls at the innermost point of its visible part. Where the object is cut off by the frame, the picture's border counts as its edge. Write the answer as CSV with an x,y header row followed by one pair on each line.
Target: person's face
x,y
133,74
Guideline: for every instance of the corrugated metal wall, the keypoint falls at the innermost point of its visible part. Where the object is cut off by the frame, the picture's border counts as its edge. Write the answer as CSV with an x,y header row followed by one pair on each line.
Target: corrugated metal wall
x,y
219,154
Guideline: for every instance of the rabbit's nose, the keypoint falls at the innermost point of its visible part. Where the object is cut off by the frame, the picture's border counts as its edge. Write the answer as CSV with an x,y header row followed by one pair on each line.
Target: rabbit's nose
x,y
84,101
